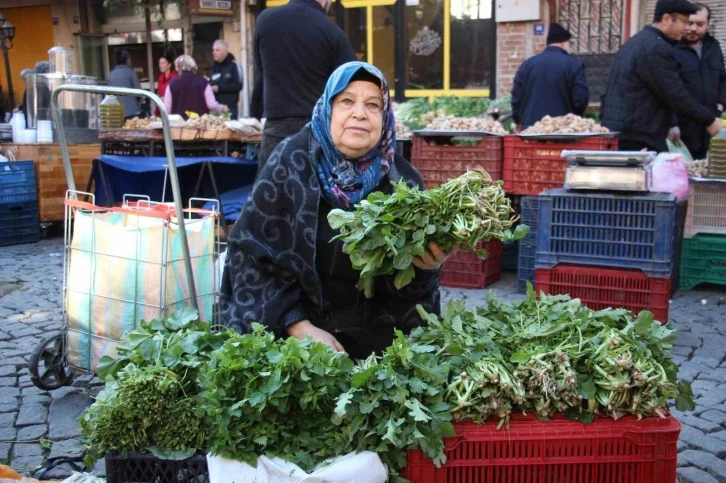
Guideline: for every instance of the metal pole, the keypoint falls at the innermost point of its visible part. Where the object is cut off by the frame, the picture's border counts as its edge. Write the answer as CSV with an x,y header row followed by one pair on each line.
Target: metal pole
x,y
149,52
11,95
168,144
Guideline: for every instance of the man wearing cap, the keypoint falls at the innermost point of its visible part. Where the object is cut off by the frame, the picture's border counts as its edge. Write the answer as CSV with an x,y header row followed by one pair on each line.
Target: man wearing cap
x,y
703,72
645,92
552,83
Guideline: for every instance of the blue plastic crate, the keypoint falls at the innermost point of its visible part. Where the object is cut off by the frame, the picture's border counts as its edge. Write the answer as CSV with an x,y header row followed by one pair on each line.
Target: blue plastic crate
x,y
19,223
606,229
17,182
528,244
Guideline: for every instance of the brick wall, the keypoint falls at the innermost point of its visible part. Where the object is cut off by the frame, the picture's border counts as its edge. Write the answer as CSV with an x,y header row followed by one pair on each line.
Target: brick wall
x,y
516,42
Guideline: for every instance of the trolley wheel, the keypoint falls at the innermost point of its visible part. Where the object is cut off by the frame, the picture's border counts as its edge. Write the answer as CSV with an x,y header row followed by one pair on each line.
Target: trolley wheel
x,y
45,230
47,367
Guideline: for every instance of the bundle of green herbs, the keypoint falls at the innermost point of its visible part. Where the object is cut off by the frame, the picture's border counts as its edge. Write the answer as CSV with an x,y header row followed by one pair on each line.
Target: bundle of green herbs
x,y
149,403
385,232
551,354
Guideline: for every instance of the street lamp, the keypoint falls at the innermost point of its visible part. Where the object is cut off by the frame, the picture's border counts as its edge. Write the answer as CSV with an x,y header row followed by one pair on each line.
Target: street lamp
x,y
7,34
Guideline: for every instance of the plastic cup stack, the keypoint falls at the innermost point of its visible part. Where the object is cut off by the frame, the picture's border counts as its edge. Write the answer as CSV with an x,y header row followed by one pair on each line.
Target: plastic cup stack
x,y
18,124
29,136
45,132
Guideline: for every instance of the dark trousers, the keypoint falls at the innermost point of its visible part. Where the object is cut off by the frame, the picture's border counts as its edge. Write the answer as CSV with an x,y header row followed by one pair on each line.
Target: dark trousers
x,y
275,131
629,145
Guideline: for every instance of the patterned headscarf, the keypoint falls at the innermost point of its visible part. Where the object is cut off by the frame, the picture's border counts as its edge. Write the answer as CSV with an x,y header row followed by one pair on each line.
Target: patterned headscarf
x,y
345,181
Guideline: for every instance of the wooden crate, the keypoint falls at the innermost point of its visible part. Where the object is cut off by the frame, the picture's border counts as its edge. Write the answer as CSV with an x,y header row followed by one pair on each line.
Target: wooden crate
x,y
52,185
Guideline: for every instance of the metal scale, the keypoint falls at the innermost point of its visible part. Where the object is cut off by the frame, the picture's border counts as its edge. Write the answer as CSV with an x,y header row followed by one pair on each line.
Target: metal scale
x,y
609,170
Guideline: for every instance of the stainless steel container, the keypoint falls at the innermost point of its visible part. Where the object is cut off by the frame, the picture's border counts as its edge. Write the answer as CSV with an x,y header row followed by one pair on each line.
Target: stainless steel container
x,y
637,179
78,109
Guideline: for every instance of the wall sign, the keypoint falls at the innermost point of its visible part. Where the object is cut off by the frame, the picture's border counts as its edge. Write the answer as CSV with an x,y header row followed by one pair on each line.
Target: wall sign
x,y
56,20
539,29
211,7
518,10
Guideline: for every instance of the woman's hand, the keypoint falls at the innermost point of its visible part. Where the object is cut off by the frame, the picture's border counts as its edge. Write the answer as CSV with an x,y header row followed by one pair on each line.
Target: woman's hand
x,y
433,258
304,328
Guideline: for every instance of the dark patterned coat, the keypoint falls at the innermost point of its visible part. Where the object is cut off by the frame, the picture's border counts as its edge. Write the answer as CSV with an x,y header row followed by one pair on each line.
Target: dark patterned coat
x,y
281,267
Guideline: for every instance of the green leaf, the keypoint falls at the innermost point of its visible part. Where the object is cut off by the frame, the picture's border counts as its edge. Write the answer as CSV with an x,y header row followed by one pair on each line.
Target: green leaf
x,y
404,277
685,403
586,387
107,367
343,401
520,232
339,218
416,411
587,417
402,261
520,357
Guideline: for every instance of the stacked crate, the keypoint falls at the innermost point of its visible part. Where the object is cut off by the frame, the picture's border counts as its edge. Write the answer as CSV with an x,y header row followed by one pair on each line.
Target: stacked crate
x,y
703,253
18,203
438,160
532,166
609,250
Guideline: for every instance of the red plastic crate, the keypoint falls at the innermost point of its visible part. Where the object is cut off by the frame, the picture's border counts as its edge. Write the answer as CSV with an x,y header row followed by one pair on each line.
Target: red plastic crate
x,y
438,160
556,451
531,167
600,288
466,270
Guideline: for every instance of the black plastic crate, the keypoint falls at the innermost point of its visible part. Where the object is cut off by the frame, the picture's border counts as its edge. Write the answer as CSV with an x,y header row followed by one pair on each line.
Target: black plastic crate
x,y
138,468
17,182
510,255
19,223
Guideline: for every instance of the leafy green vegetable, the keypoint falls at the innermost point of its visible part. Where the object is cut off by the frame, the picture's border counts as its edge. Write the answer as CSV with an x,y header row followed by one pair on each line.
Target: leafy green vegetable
x,y
149,402
385,232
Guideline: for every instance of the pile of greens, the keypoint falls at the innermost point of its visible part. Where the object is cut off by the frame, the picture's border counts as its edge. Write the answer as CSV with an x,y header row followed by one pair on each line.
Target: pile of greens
x,y
149,401
385,232
551,355
177,387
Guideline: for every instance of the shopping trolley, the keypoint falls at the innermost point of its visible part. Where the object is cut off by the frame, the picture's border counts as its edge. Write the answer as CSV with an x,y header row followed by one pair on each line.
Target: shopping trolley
x,y
140,261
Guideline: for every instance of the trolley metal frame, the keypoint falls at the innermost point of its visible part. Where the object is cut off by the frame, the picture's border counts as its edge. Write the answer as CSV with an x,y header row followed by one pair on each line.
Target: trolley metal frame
x,y
52,349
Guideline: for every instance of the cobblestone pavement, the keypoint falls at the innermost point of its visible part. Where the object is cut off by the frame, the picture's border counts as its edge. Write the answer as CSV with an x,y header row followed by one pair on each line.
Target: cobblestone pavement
x,y
36,425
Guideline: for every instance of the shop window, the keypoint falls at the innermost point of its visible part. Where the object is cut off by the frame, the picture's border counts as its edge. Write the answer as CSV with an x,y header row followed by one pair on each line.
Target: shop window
x,y
473,44
383,40
355,27
425,35
596,25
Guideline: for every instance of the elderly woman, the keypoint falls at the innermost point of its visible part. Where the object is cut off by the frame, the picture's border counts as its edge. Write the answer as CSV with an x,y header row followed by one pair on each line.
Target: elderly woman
x,y
282,269
188,92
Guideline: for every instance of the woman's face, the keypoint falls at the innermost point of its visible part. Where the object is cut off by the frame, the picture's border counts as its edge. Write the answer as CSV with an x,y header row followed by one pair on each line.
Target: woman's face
x,y
164,65
357,118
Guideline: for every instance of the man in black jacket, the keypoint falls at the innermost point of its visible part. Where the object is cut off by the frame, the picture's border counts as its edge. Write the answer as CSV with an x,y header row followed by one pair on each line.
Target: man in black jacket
x,y
549,84
702,70
226,78
645,91
297,48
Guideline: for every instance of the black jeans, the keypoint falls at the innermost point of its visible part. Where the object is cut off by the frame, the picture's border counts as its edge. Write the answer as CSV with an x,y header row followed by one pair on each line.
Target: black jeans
x,y
629,145
275,131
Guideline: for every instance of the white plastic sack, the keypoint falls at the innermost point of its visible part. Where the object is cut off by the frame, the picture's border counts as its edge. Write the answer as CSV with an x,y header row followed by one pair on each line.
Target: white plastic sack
x,y
364,467
670,175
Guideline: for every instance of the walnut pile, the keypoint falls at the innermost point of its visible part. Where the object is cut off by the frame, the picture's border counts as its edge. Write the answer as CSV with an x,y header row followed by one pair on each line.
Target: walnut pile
x,y
136,123
698,168
440,121
207,122
569,124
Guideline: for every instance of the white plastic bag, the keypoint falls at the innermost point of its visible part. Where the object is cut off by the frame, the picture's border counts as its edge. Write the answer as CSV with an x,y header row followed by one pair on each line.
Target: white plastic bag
x,y
364,467
670,175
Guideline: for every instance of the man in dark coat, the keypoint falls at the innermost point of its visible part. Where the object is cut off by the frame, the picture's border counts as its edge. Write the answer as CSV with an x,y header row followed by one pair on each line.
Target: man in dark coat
x,y
297,48
703,72
226,78
552,83
645,91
